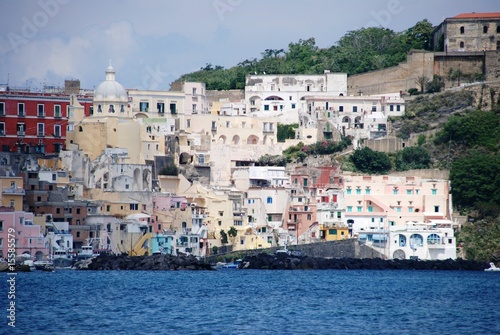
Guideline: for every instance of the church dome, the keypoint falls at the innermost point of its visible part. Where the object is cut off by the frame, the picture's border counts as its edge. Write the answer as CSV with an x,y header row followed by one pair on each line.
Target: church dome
x,y
110,89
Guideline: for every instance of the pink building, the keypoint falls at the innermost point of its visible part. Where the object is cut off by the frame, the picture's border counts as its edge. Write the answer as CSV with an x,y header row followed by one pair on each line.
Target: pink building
x,y
28,237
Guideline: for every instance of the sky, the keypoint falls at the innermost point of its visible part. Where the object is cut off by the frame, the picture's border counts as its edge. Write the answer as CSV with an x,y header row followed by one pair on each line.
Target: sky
x,y
151,43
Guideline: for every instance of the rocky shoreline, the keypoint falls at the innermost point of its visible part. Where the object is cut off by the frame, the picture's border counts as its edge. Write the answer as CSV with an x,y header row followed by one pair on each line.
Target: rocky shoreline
x,y
273,262
285,262
154,262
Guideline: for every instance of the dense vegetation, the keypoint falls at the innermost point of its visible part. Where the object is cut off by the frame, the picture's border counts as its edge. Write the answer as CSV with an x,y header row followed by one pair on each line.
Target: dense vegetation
x,y
358,51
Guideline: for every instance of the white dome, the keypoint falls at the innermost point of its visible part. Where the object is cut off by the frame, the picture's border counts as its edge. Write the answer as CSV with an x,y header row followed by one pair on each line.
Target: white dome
x,y
110,89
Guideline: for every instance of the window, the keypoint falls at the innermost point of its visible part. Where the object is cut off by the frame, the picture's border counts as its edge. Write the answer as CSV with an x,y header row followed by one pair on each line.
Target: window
x,y
434,191
173,108
409,192
293,106
134,207
194,90
349,191
41,110
1,225
91,110
99,109
370,208
111,109
21,129
20,109
354,109
436,209
410,209
188,123
416,191
341,108
462,30
201,158
349,208
398,209
41,129
398,108
391,108
143,106
269,200
309,217
57,111
359,209
485,29
2,108
266,107
2,128
57,130
462,44
395,191
358,191
305,181
194,108
367,191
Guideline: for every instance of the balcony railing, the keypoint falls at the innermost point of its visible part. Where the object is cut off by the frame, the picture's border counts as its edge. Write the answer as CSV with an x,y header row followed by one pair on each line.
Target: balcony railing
x,y
18,191
21,133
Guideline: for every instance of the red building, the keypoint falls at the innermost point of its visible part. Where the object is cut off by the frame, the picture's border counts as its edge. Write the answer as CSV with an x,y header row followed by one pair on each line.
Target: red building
x,y
32,122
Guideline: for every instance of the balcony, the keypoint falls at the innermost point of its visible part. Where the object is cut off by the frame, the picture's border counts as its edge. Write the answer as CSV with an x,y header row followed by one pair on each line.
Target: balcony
x,y
214,128
21,133
268,131
40,134
13,191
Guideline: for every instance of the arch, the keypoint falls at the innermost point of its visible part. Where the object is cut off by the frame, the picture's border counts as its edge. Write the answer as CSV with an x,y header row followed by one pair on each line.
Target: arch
x,y
433,239
39,255
235,140
252,139
399,254
273,97
222,139
341,94
462,44
185,158
462,30
146,178
416,240
401,240
80,129
485,29
137,179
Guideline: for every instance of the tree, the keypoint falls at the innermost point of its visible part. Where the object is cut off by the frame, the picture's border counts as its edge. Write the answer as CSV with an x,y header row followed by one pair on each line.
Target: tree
x,y
232,232
412,158
169,170
369,161
223,236
286,131
421,82
475,179
419,36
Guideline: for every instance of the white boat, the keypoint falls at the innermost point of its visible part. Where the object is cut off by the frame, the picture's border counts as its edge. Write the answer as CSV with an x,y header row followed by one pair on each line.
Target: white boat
x,y
62,259
492,267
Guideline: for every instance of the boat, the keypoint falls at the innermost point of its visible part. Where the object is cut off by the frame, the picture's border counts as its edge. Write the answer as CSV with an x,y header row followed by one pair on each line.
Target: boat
x,y
492,267
86,252
42,264
231,265
62,259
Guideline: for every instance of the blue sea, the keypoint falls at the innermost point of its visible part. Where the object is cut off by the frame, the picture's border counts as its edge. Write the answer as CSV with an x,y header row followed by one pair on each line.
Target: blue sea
x,y
253,302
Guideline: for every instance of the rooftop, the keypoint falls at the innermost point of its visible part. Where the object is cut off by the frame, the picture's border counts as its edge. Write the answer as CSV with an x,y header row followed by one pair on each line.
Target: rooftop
x,y
473,15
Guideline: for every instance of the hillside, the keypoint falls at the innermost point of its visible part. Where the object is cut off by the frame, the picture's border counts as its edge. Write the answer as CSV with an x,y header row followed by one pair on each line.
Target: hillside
x,y
358,51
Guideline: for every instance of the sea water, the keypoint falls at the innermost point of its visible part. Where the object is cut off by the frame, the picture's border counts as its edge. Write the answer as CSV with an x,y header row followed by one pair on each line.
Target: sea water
x,y
253,302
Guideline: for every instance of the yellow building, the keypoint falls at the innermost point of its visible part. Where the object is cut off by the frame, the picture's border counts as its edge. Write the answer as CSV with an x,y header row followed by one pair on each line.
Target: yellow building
x,y
12,192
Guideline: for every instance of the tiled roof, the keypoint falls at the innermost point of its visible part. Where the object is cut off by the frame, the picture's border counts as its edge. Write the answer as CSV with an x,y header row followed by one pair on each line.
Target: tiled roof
x,y
492,15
